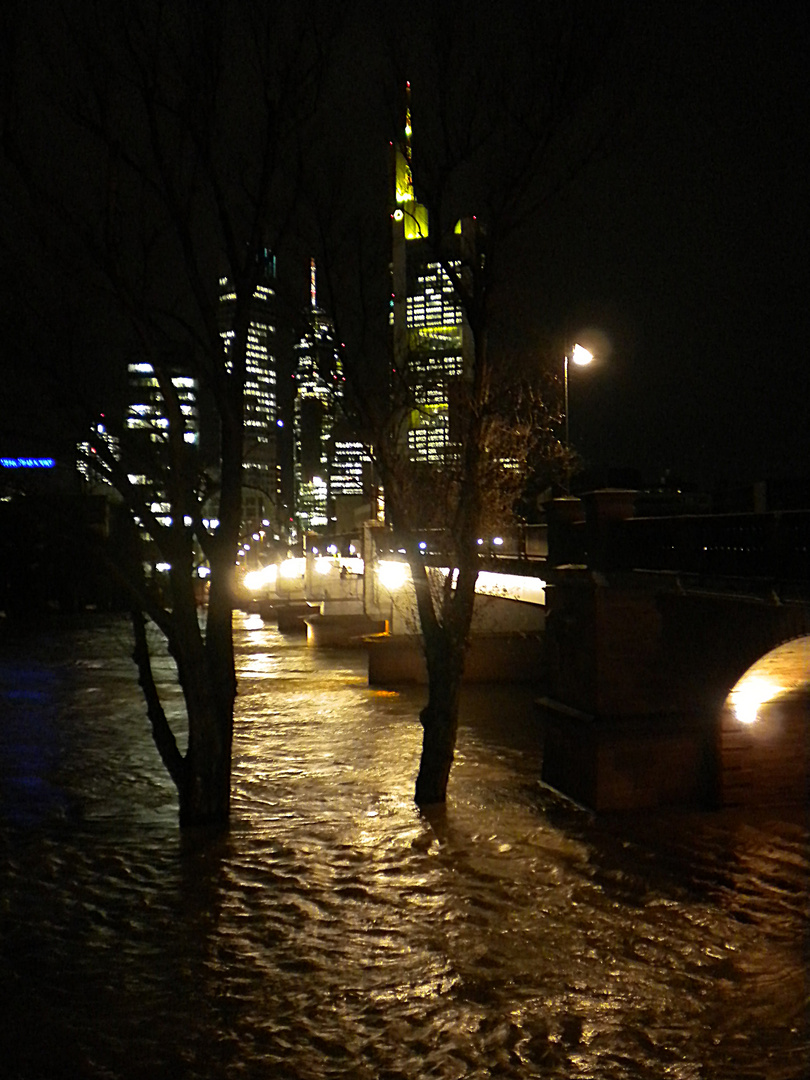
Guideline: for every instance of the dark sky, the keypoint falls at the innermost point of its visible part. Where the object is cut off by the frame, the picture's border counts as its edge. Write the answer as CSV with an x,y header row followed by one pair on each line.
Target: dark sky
x,y
689,249
684,250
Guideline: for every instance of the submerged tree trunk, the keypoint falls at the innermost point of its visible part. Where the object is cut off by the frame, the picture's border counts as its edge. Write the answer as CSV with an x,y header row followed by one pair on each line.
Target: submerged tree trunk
x,y
204,657
445,644
206,669
203,775
439,720
205,795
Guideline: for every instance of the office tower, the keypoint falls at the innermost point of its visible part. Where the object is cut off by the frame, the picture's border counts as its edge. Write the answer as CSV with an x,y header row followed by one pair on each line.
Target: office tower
x,y
350,478
329,460
92,465
146,429
316,372
430,337
146,412
261,486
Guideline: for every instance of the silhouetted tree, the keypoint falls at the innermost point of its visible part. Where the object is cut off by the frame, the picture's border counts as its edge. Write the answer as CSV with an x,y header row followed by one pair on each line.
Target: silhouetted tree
x,y
158,145
507,107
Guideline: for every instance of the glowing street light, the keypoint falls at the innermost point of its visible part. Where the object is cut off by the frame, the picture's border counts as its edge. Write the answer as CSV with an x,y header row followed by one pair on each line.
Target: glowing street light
x,y
581,357
391,574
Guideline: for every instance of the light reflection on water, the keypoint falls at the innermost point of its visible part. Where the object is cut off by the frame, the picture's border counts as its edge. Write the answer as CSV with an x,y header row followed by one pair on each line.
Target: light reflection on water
x,y
335,931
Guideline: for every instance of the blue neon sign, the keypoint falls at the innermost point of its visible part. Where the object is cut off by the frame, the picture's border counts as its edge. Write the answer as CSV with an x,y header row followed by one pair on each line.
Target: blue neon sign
x,y
27,462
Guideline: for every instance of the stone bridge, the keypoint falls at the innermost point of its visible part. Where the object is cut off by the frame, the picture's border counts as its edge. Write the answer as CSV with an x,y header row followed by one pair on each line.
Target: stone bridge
x,y
638,629
650,625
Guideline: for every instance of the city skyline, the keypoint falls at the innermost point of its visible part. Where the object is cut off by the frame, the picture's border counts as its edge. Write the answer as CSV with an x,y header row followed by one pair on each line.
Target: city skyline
x,y
685,249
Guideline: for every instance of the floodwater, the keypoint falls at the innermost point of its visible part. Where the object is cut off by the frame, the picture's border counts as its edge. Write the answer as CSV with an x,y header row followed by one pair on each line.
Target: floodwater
x,y
336,932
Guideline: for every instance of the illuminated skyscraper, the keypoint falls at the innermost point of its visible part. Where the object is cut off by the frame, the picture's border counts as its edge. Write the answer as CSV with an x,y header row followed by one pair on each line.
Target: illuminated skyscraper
x,y
146,428
329,461
146,412
429,332
262,486
90,464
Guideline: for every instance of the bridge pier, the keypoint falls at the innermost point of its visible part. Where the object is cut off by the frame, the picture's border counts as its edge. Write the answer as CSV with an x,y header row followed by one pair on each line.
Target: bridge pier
x,y
341,624
491,658
642,658
630,763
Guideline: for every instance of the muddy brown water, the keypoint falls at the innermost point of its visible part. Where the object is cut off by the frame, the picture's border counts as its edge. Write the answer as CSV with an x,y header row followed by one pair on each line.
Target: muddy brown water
x,y
335,931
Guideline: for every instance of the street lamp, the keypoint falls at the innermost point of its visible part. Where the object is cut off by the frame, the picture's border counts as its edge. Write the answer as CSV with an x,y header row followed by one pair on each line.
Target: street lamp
x,y
580,356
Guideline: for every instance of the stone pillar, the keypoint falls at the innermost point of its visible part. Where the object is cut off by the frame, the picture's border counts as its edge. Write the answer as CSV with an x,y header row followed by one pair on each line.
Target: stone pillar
x,y
605,510
566,518
309,565
370,559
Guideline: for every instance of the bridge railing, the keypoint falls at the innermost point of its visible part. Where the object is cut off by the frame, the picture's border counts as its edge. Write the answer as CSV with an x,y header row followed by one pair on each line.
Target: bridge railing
x,y
529,542
773,545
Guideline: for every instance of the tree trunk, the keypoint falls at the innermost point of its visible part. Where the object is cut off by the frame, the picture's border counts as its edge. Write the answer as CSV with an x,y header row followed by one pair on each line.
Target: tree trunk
x,y
205,794
439,720
206,663
206,675
209,688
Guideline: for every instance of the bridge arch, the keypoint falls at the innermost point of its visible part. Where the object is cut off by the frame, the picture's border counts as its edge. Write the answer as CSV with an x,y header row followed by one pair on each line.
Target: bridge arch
x,y
736,649
763,731
708,641
784,669
640,672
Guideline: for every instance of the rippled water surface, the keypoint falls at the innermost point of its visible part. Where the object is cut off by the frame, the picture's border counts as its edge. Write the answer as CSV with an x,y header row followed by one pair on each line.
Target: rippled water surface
x,y
335,931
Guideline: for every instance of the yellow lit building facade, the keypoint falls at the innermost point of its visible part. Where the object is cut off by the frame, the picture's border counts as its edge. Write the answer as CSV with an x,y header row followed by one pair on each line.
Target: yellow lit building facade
x,y
429,331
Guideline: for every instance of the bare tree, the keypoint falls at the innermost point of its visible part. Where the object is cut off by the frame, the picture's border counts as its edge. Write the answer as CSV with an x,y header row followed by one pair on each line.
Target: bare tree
x,y
160,144
505,111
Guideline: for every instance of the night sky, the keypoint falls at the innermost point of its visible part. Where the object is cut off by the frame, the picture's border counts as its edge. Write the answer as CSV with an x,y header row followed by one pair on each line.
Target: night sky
x,y
693,258
683,253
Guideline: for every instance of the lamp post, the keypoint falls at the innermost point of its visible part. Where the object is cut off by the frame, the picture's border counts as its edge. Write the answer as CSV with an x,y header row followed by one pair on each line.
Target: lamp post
x,y
580,356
